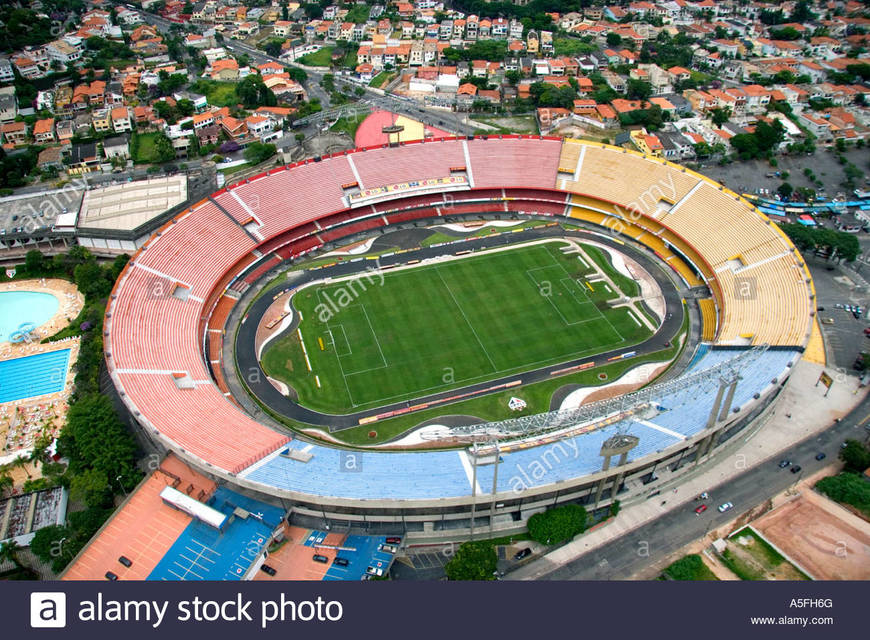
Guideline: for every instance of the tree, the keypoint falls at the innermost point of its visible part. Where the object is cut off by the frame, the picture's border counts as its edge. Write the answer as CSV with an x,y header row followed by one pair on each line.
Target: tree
x,y
690,567
49,545
9,551
638,89
258,152
848,488
118,265
614,39
785,190
558,524
472,561
34,262
91,487
94,438
855,456
166,111
252,92
185,107
802,12
91,280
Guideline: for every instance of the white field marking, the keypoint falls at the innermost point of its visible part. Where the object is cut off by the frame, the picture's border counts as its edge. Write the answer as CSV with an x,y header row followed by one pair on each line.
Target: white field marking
x,y
494,368
631,315
374,335
583,262
469,472
317,380
304,350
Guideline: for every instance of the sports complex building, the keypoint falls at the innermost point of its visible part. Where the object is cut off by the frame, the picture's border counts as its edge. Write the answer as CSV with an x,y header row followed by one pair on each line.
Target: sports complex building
x,y
740,303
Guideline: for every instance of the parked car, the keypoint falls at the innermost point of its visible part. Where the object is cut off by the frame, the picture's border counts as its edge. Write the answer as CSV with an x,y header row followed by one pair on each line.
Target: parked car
x,y
268,570
393,540
522,553
389,548
701,509
820,456
341,562
724,507
784,463
319,558
796,468
374,571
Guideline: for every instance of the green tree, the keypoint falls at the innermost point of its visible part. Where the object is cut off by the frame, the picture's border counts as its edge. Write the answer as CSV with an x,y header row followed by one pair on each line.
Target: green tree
x,y
91,487
9,551
34,262
472,561
638,89
185,107
613,39
258,152
720,115
252,92
91,280
557,524
848,488
785,190
855,456
94,438
690,567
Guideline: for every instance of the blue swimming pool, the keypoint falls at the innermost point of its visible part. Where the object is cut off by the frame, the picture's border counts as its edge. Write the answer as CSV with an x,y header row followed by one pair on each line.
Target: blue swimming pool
x,y
35,375
21,307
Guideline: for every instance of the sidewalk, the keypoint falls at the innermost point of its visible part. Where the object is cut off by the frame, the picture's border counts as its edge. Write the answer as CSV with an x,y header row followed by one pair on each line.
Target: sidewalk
x,y
801,412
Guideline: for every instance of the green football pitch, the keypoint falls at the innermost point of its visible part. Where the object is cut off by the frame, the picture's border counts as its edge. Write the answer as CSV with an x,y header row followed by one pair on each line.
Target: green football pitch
x,y
397,335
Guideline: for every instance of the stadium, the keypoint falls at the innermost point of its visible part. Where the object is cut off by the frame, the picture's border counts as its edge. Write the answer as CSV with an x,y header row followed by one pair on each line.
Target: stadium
x,y
184,331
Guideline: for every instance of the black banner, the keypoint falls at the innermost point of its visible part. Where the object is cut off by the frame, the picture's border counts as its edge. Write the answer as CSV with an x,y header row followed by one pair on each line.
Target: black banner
x,y
130,610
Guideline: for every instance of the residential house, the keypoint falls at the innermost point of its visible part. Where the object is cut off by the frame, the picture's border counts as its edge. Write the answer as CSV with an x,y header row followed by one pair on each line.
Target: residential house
x,y
84,158
65,130
14,133
225,70
234,128
50,157
8,104
101,119
6,72
122,119
116,147
258,125
208,135
43,131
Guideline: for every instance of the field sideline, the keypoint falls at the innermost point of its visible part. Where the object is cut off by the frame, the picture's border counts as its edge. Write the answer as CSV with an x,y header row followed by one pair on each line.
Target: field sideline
x,y
395,336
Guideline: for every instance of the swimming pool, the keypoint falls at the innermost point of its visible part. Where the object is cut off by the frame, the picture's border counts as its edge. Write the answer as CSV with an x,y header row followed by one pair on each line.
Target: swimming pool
x,y
19,307
35,375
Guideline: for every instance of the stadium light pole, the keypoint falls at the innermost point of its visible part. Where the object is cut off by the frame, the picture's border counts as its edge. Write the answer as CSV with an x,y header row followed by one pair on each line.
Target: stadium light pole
x,y
494,490
473,489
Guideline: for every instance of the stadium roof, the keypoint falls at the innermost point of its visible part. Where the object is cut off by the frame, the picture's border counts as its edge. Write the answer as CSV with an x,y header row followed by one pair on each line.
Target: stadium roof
x,y
129,205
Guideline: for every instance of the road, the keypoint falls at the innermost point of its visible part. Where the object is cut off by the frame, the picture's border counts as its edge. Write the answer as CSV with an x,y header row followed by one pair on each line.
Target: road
x,y
623,557
246,352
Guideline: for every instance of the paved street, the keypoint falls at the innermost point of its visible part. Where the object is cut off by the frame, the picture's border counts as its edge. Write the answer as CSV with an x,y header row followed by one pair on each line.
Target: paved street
x,y
646,533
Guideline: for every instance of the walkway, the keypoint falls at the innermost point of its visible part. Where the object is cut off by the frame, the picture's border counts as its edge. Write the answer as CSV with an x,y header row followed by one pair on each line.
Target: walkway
x,y
802,411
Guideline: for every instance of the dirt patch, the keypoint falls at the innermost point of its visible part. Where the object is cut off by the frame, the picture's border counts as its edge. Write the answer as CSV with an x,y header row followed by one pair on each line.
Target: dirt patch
x,y
825,539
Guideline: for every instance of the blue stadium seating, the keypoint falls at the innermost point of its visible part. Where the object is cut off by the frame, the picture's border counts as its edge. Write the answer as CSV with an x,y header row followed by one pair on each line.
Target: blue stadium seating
x,y
441,474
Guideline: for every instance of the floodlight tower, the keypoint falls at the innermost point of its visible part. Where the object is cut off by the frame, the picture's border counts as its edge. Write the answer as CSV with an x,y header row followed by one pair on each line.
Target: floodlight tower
x,y
619,444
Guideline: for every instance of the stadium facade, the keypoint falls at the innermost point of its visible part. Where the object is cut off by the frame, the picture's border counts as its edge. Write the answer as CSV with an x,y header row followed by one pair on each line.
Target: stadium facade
x,y
751,294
